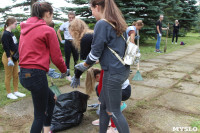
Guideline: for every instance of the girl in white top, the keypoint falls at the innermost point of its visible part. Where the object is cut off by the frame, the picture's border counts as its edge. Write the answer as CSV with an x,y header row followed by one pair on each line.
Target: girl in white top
x,y
132,30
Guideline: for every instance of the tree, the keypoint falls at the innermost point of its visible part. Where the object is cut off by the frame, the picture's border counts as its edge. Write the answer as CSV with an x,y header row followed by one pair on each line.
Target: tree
x,y
189,14
26,5
148,11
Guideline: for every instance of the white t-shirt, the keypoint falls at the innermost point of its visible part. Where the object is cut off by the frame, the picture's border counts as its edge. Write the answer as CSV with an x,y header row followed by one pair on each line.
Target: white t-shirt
x,y
125,84
130,28
65,27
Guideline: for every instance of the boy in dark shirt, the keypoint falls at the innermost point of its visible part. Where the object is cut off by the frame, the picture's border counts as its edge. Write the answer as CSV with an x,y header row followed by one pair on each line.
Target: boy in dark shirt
x,y
159,33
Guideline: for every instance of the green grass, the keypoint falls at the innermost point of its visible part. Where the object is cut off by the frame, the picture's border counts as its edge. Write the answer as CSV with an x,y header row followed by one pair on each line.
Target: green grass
x,y
58,82
147,51
196,124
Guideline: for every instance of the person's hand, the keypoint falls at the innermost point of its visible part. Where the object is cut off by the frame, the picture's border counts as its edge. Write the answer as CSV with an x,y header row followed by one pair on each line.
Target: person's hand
x,y
97,62
81,67
160,34
55,98
137,37
138,55
10,63
53,74
63,75
63,41
75,82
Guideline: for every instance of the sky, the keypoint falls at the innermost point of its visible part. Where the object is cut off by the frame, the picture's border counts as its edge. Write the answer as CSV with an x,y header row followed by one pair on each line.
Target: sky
x,y
55,3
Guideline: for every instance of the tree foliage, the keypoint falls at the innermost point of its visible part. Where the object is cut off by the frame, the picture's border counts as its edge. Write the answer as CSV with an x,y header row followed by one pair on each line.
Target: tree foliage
x,y
149,10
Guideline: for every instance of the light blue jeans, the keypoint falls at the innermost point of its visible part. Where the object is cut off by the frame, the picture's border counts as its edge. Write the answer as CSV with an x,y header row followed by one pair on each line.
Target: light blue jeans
x,y
158,42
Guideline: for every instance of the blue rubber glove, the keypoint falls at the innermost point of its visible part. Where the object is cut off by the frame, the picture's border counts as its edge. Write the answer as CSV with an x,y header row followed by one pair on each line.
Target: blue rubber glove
x,y
75,82
63,75
81,67
137,37
10,63
63,41
53,74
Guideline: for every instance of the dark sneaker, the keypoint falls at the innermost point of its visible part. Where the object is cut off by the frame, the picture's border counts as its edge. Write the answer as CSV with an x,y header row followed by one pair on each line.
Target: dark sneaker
x,y
158,51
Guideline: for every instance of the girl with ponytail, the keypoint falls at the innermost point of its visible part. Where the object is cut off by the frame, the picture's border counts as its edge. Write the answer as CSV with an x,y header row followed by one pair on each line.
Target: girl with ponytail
x,y
10,46
38,44
106,13
132,30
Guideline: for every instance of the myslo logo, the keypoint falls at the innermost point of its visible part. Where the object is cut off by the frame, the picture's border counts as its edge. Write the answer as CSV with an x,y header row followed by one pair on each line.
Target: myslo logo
x,y
185,129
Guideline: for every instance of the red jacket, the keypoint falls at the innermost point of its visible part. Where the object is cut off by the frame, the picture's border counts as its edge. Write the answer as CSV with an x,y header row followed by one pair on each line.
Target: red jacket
x,y
38,43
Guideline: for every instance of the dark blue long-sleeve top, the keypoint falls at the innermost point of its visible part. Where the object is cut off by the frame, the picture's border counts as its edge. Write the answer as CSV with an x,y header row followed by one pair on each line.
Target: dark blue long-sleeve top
x,y
9,42
105,35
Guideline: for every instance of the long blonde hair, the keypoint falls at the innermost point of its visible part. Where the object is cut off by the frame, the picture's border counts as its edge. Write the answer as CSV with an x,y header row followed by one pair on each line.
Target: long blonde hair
x,y
91,79
139,23
77,29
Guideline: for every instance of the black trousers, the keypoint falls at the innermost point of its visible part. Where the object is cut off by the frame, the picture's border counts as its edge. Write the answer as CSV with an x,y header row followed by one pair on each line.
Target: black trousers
x,y
69,48
35,80
175,33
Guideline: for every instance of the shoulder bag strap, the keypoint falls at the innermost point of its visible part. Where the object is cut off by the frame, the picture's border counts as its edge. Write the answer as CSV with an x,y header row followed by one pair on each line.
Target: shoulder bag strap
x,y
117,55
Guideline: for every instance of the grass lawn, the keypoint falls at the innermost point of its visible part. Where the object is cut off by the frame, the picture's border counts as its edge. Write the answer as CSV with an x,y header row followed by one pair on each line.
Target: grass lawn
x,y
147,51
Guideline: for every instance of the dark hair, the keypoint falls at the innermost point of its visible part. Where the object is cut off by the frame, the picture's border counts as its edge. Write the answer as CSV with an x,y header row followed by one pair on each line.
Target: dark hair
x,y
96,71
9,21
112,14
39,8
52,24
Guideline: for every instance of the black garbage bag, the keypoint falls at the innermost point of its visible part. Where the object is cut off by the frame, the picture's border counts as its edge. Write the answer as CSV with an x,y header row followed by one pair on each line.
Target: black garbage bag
x,y
68,111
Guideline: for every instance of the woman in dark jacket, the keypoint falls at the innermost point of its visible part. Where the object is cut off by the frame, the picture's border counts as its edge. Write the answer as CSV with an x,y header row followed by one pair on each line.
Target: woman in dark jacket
x,y
176,28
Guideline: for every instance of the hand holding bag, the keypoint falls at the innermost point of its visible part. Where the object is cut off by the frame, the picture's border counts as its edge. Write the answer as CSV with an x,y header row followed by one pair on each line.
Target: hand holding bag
x,y
15,56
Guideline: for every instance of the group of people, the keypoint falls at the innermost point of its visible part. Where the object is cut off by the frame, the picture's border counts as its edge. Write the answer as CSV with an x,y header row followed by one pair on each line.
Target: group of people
x,y
159,29
39,44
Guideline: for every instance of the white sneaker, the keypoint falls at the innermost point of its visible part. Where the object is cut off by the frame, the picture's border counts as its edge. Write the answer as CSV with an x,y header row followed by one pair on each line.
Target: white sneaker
x,y
11,96
112,130
175,42
96,123
19,94
172,42
69,78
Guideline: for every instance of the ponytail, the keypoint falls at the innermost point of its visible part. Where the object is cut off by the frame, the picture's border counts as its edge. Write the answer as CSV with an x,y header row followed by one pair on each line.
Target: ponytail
x,y
139,23
112,13
39,8
5,26
9,21
90,79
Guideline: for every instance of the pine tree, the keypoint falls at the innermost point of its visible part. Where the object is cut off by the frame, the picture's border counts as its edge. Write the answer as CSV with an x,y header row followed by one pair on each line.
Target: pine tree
x,y
148,11
26,5
189,13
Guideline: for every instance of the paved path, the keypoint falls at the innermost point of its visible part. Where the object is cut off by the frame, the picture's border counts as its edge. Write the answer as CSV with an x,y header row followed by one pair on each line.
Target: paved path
x,y
168,97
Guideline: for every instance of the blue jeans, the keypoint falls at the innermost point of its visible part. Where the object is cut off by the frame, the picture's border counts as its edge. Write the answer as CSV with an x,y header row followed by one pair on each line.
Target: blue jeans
x,y
158,42
35,80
